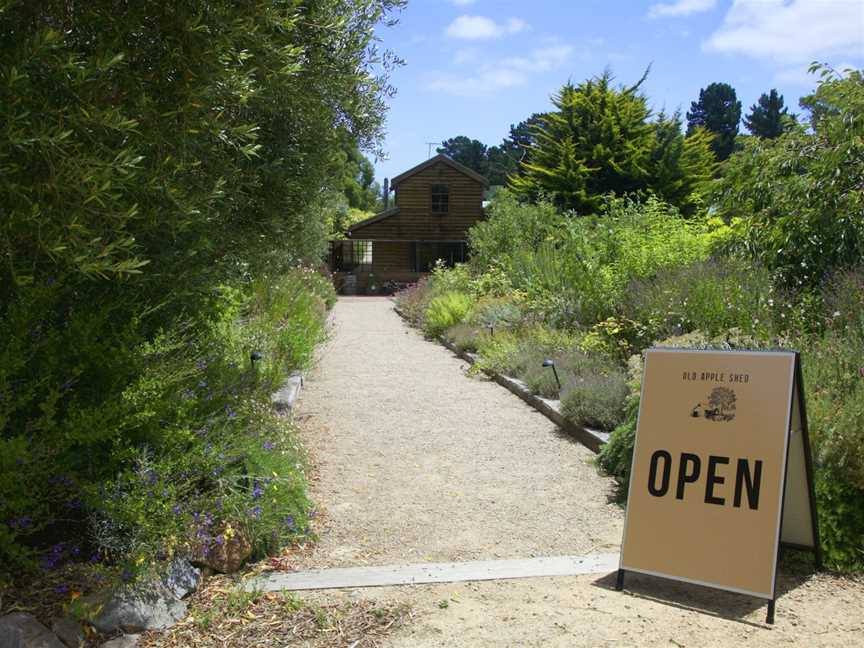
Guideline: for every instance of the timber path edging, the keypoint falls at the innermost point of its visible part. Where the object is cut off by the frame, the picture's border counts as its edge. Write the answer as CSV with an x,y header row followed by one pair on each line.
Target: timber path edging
x,y
551,409
430,573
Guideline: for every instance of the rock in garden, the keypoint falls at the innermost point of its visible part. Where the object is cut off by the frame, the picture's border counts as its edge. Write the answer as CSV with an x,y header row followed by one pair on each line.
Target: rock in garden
x,y
225,553
137,609
181,578
283,400
10,637
126,641
20,630
69,631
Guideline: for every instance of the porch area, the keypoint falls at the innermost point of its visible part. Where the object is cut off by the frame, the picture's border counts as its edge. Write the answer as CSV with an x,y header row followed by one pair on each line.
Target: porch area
x,y
374,267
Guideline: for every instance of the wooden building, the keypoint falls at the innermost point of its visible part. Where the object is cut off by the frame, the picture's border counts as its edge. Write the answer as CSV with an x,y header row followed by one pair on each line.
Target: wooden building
x,y
436,204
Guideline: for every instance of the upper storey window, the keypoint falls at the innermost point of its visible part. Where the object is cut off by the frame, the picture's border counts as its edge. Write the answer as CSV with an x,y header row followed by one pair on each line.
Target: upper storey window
x,y
440,199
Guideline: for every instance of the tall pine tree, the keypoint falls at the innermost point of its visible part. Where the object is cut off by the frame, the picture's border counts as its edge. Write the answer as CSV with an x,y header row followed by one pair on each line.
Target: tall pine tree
x,y
766,116
596,141
599,140
467,151
504,159
718,111
682,167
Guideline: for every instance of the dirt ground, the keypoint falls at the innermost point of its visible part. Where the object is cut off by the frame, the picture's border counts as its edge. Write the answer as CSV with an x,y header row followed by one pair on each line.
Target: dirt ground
x,y
417,462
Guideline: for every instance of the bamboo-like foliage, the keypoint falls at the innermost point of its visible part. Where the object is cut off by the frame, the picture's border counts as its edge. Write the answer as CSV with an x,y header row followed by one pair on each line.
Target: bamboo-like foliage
x,y
155,159
143,135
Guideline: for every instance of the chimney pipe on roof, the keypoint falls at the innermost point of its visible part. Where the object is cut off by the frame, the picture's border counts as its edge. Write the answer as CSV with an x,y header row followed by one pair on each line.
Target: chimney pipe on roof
x,y
386,193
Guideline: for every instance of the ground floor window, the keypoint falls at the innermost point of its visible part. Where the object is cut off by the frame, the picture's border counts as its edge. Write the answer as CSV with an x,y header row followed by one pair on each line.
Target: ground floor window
x,y
424,255
349,256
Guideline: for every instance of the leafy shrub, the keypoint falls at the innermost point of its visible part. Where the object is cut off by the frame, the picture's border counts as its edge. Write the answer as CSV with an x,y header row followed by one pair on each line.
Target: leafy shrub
x,y
841,521
596,400
618,337
147,445
712,296
493,281
161,176
495,313
575,272
511,226
497,353
445,280
466,337
514,353
833,362
413,301
833,365
796,199
572,365
445,311
541,380
616,456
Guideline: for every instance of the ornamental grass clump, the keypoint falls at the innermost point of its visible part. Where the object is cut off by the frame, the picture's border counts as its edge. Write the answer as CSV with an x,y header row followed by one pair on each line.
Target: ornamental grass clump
x,y
445,311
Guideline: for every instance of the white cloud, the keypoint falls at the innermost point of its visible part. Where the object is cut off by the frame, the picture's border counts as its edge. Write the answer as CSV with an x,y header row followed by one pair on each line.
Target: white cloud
x,y
506,73
799,75
466,56
796,31
483,28
540,60
680,8
484,83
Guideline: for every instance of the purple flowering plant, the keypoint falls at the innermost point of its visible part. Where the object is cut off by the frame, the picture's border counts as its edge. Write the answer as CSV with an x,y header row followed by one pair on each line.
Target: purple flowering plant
x,y
187,446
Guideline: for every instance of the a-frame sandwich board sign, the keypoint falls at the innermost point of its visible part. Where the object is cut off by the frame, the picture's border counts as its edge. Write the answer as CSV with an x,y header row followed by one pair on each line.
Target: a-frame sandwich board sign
x,y
722,473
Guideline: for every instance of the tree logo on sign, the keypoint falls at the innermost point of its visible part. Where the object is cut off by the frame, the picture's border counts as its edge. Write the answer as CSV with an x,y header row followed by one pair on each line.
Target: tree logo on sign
x,y
721,406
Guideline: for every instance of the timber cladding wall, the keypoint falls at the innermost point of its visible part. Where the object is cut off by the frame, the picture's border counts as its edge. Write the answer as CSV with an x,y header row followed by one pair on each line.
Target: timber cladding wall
x,y
389,257
416,221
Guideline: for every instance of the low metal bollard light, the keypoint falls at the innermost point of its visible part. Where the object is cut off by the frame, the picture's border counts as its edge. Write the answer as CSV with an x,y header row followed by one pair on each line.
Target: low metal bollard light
x,y
551,363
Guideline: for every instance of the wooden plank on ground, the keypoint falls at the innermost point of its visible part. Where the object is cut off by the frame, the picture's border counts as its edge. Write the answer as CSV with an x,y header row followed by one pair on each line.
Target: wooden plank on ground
x,y
479,570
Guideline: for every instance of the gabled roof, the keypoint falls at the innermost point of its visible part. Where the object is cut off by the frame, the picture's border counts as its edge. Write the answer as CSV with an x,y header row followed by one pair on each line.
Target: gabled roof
x,y
387,213
461,168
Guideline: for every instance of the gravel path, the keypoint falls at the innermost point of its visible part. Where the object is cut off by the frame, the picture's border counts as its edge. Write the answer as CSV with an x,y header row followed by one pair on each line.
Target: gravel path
x,y
417,462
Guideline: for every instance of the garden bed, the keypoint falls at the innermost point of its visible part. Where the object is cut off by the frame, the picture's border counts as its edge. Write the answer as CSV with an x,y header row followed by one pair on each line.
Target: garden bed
x,y
550,408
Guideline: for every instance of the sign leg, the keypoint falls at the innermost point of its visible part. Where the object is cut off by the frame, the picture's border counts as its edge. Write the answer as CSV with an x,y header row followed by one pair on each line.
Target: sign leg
x,y
619,583
769,618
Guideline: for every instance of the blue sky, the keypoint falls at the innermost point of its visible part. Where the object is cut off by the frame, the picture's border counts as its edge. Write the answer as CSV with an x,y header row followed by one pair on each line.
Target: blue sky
x,y
473,67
